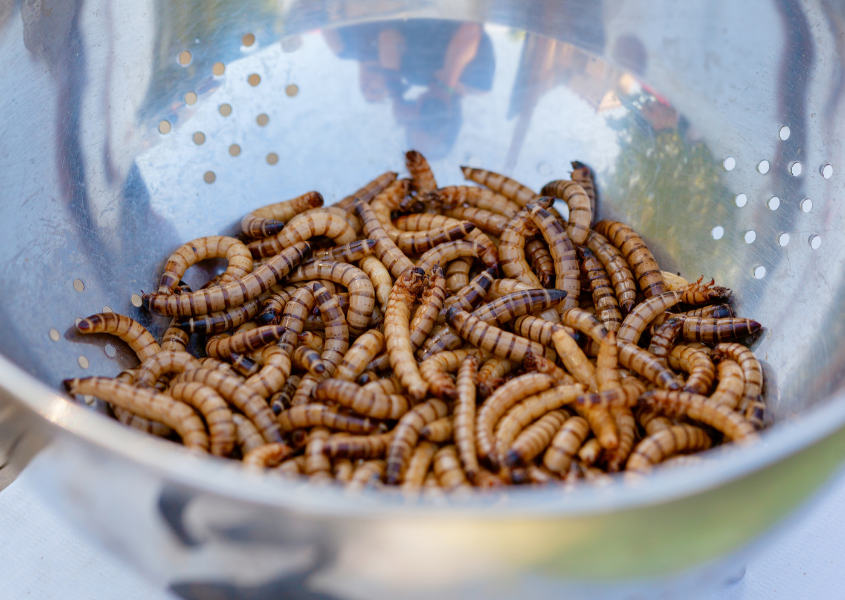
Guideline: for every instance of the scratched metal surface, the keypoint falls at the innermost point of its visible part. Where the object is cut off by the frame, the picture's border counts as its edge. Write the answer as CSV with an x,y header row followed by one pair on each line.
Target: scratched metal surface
x,y
655,98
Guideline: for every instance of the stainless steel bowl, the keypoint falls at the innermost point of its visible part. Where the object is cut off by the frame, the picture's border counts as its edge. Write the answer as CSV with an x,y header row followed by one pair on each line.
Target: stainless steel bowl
x,y
714,128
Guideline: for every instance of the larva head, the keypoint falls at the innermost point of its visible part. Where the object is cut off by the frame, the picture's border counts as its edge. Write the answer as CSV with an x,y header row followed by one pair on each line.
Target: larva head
x,y
436,272
413,280
584,253
544,202
466,171
70,384
313,199
452,314
555,297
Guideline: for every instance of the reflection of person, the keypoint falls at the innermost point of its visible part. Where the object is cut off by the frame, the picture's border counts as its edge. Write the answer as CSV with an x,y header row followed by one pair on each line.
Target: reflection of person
x,y
449,60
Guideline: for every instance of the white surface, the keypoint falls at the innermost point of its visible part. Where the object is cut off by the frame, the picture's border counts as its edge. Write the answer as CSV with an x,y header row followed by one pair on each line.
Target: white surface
x,y
40,557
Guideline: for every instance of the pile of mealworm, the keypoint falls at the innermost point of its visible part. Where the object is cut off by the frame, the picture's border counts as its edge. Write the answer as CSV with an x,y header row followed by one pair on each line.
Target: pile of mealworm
x,y
433,337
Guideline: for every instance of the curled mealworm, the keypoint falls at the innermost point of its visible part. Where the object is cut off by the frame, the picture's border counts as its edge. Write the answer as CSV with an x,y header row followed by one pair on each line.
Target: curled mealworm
x,y
215,411
157,407
604,297
731,384
166,361
701,371
438,431
397,333
273,374
282,400
407,434
751,398
491,374
616,268
214,246
637,255
708,330
303,227
574,359
509,188
448,469
129,330
231,294
457,274
541,261
309,339
590,453
580,211
666,443
566,442
308,360
269,220
644,313
319,415
701,408
436,368
272,307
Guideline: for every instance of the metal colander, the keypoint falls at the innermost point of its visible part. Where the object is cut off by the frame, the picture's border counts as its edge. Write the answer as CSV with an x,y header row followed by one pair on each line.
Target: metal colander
x,y
129,128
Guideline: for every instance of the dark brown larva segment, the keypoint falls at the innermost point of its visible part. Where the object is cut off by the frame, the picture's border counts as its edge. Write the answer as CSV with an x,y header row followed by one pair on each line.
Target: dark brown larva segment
x,y
129,330
225,320
604,297
709,330
435,370
580,209
617,269
368,192
231,294
714,311
269,220
637,255
663,339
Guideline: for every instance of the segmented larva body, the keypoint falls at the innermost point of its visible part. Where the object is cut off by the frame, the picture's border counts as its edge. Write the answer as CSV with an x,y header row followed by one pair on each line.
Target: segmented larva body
x,y
424,221
663,339
365,402
351,252
487,221
407,434
457,274
215,412
584,176
492,339
565,443
731,384
148,404
544,365
418,466
231,294
244,342
616,268
541,261
448,470
503,287
214,246
359,355
509,188
431,303
714,311
380,278
444,253
385,249
308,360
295,312
464,416
753,373
273,306
274,372
538,329
455,196
651,419
356,447
397,332
336,330
362,298
317,465
701,408
626,425
636,254
471,295
666,443
241,396
580,210
567,270
368,192
491,374
304,227
269,220
129,330
436,368
584,322
574,359
218,322
390,385
174,338
644,313
604,297
709,330
267,456
512,250
282,400
535,438
312,340
421,174
646,365
166,361
507,396
701,371
438,431
590,453
320,415
607,364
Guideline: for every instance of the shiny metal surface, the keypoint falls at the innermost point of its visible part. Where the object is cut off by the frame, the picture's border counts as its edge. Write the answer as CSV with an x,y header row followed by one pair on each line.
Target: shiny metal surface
x,y
657,97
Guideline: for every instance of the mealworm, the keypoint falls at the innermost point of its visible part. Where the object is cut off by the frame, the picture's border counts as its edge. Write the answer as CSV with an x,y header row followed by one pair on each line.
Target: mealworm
x,y
436,368
636,254
389,385
565,443
362,298
317,464
512,249
368,192
498,404
241,396
457,274
584,322
215,412
407,433
214,246
674,283
295,312
379,277
269,220
421,174
385,249
304,227
418,466
351,252
663,338
166,361
604,297
753,374
574,359
438,431
534,439
663,444
431,303
367,474
424,221
174,338
708,330
366,402
273,374
541,261
243,342
701,408
616,268
539,330
366,377
714,311
282,400
156,407
440,255
464,416
309,339
492,339
644,313
267,456
319,415
731,384
646,365
130,419
230,294
455,196
129,330
701,371
448,469
470,295
590,453
356,447
503,287
359,355
584,176
491,374
487,221
248,436
397,333
218,322
567,269
529,410
308,360
273,306
651,419
219,365
607,364
509,188
580,211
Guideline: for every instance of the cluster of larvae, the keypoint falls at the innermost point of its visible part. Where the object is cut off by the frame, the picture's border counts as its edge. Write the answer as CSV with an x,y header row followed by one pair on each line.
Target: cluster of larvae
x,y
425,337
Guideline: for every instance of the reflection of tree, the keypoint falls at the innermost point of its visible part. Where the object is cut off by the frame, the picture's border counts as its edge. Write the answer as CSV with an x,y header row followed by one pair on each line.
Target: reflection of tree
x,y
669,188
